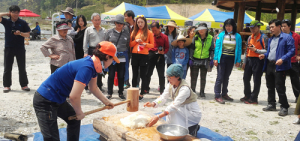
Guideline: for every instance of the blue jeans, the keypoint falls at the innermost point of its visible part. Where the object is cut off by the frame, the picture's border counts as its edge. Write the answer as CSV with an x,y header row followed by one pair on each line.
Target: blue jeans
x,y
223,72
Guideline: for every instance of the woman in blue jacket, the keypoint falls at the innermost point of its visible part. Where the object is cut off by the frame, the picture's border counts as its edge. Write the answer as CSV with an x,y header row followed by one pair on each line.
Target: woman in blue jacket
x,y
227,53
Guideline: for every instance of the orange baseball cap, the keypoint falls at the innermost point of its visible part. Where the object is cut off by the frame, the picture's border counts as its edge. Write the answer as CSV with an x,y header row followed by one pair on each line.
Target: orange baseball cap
x,y
109,49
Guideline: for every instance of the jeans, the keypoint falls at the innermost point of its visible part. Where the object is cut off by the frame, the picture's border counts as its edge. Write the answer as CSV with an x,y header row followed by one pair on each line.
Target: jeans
x,y
120,69
294,76
276,79
254,66
223,72
158,61
195,72
47,113
139,62
9,54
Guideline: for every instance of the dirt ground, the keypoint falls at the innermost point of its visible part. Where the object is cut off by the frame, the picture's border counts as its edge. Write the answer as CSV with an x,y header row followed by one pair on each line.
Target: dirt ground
x,y
235,119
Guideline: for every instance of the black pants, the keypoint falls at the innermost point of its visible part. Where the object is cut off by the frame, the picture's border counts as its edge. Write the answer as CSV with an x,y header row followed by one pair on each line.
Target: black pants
x,y
294,76
158,61
9,54
276,79
47,113
53,68
139,61
120,69
195,72
99,78
194,129
253,67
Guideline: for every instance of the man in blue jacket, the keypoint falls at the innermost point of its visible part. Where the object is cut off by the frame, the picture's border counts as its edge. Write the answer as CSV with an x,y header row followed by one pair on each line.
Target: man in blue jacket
x,y
281,49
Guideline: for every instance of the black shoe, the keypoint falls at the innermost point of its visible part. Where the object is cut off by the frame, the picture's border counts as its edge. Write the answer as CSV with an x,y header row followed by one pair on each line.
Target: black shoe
x,y
296,99
202,94
244,99
270,108
109,96
101,89
141,98
226,97
283,111
145,92
122,96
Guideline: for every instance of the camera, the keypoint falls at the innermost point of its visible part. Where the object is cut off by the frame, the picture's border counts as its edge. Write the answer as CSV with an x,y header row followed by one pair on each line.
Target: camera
x,y
13,31
160,48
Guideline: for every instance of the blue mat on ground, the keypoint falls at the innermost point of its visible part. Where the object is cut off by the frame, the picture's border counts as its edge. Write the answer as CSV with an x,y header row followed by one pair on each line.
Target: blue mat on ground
x,y
298,137
87,134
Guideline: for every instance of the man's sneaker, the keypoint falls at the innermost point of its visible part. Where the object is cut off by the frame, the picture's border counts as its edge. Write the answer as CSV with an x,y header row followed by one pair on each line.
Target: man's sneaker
x,y
126,86
141,98
26,88
226,97
145,92
6,89
109,96
296,121
220,100
283,112
244,99
122,96
250,102
270,108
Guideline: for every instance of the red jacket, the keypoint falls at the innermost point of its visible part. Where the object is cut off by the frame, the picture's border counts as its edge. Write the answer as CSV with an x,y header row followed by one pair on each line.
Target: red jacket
x,y
297,43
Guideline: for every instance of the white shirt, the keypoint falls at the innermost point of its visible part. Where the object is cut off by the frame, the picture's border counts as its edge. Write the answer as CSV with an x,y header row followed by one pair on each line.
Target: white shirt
x,y
185,115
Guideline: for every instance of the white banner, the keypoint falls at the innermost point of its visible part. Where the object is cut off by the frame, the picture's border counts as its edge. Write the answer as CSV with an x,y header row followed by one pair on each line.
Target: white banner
x,y
196,23
107,17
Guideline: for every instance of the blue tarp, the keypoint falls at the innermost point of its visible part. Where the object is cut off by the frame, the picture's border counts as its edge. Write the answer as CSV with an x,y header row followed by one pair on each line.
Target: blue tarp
x,y
298,24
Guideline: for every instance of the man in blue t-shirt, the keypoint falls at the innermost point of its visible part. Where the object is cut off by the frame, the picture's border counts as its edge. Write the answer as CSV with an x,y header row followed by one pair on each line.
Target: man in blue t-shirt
x,y
36,31
16,30
49,100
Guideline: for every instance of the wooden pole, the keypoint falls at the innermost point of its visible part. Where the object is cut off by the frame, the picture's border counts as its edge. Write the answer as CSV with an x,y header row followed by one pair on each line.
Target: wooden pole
x,y
236,10
258,11
281,7
241,16
294,16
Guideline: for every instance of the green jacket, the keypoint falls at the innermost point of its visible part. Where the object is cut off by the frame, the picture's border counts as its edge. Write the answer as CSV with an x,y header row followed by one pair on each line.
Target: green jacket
x,y
201,50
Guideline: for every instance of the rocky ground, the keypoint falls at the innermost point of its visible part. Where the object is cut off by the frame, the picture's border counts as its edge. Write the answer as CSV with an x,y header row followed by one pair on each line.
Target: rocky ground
x,y
234,119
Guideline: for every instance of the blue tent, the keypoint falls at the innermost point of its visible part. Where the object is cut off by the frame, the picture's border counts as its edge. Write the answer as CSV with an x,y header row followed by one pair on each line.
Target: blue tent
x,y
62,16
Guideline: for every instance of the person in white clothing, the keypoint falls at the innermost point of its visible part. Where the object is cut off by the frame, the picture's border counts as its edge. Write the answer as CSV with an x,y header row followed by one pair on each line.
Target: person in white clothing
x,y
184,110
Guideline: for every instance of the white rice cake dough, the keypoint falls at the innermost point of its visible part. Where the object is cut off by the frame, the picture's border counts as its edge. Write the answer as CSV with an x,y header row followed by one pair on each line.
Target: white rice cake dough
x,y
135,121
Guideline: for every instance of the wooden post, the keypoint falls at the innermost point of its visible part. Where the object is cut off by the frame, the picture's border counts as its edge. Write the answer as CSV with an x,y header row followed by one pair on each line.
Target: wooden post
x,y
281,6
294,16
258,11
241,16
236,8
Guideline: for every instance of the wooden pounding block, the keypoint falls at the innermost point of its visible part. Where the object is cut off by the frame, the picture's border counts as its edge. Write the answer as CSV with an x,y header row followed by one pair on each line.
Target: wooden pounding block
x,y
112,129
133,95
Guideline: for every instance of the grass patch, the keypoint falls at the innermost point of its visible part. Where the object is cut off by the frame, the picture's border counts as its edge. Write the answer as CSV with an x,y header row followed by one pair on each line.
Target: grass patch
x,y
222,121
62,125
251,133
228,103
212,102
252,115
217,130
273,122
270,132
254,138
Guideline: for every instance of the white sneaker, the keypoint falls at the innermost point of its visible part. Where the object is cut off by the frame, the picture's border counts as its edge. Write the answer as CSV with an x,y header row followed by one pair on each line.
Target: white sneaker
x,y
297,121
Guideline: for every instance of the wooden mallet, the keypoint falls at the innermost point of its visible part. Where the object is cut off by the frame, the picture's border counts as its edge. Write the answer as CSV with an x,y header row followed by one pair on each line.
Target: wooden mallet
x,y
132,103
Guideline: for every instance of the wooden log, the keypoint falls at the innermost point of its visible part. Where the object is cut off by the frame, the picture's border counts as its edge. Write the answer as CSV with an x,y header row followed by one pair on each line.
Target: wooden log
x,y
236,11
241,16
281,6
258,11
294,16
111,129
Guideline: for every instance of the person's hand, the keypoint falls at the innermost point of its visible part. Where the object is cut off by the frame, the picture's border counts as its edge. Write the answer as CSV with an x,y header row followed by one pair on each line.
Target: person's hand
x,y
54,56
138,40
252,48
110,104
153,121
17,32
243,66
85,55
144,44
237,64
216,63
78,29
149,104
262,56
80,116
279,62
298,58
161,52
